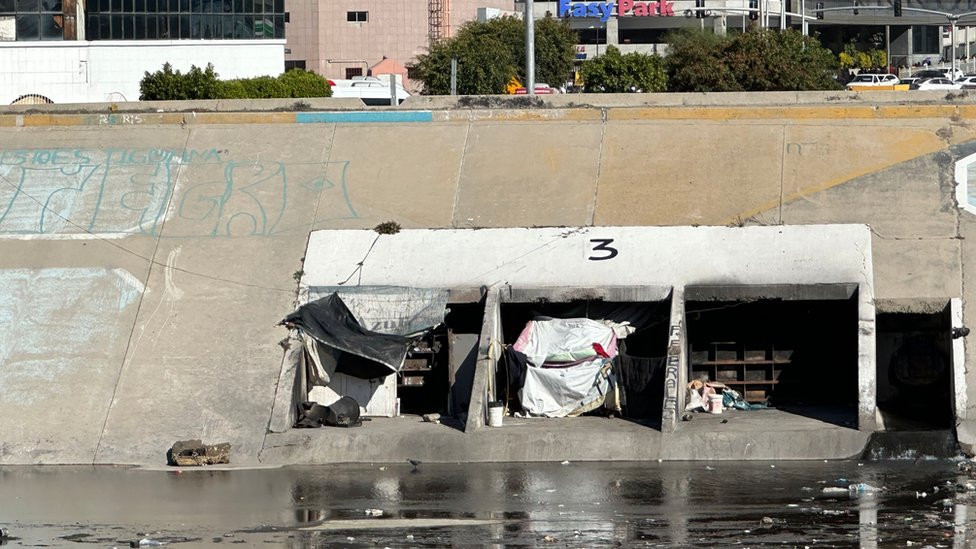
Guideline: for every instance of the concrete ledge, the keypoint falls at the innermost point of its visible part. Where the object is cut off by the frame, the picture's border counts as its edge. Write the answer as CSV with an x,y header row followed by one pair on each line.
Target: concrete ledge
x,y
496,103
756,435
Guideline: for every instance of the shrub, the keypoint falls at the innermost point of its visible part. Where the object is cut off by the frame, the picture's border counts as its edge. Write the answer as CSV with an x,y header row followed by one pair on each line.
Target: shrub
x,y
615,73
301,83
197,83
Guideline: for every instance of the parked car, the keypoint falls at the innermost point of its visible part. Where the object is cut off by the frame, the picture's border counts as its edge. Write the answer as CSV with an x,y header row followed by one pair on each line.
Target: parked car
x,y
936,84
872,80
947,72
910,81
371,90
540,89
967,82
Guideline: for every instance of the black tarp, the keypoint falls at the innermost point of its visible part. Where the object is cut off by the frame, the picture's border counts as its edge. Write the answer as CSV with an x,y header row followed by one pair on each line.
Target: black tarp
x,y
365,354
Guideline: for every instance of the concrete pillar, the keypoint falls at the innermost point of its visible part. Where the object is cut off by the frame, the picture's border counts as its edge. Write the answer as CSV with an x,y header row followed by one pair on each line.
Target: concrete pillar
x,y
676,366
911,46
867,373
489,348
613,32
960,399
720,24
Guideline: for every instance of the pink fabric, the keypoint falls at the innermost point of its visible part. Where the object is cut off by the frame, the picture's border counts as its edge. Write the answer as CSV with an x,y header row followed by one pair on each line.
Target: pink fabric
x,y
523,338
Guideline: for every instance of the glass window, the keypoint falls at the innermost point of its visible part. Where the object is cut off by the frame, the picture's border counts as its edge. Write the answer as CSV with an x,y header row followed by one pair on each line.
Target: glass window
x,y
27,27
50,5
104,6
279,6
128,27
140,33
184,26
279,31
52,27
357,16
28,5
152,30
227,26
238,6
91,27
127,6
268,6
104,28
7,6
116,27
196,27
116,6
196,6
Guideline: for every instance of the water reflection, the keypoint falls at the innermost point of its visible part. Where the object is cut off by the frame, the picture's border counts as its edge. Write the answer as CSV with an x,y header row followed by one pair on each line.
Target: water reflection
x,y
679,504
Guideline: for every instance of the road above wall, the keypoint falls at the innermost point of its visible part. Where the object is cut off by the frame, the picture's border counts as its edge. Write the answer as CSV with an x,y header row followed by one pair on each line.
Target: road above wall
x,y
148,249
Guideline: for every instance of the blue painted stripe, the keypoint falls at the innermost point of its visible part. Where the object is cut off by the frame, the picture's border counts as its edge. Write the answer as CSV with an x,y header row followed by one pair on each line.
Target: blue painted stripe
x,y
363,116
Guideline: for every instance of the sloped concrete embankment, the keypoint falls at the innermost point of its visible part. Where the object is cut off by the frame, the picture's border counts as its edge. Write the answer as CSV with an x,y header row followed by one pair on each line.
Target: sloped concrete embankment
x,y
145,260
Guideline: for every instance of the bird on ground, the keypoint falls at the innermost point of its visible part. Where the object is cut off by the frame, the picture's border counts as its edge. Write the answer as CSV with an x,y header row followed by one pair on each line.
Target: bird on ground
x,y
414,462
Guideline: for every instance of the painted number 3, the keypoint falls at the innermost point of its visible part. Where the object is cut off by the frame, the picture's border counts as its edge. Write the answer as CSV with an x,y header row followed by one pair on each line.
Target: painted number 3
x,y
603,249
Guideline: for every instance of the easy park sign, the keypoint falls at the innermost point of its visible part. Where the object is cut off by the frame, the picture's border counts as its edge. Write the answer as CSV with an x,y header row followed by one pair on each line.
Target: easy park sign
x,y
604,10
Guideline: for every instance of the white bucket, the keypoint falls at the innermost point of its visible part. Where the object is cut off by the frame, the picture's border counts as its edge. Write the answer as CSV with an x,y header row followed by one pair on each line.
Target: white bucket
x,y
495,413
715,403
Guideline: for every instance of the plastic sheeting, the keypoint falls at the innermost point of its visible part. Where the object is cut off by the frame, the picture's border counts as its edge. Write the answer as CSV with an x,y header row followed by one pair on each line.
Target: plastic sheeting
x,y
564,340
579,379
366,354
394,310
559,392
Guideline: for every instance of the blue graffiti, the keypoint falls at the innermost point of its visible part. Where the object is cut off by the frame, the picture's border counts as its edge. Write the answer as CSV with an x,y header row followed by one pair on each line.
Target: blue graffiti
x,y
137,192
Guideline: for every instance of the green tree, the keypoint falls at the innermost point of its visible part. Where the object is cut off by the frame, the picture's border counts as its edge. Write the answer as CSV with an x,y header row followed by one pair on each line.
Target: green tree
x,y
615,73
761,60
769,60
694,63
493,52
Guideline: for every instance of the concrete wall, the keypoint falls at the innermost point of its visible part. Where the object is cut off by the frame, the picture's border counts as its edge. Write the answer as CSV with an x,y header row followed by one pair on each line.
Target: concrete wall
x,y
144,258
79,72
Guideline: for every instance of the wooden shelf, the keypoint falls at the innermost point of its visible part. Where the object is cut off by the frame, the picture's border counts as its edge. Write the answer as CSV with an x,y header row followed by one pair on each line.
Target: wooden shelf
x,y
752,369
738,362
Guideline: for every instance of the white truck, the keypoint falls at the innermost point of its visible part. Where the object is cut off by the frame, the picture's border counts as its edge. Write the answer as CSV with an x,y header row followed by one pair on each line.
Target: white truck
x,y
372,90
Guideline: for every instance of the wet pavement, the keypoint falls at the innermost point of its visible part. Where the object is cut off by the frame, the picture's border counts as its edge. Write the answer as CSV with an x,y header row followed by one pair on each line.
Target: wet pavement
x,y
718,504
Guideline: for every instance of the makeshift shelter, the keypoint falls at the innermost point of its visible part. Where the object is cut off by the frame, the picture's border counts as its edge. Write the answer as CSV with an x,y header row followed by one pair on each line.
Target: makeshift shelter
x,y
568,366
346,358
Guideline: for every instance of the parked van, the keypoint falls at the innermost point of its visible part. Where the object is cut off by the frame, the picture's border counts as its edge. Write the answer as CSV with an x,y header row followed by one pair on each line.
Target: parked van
x,y
371,90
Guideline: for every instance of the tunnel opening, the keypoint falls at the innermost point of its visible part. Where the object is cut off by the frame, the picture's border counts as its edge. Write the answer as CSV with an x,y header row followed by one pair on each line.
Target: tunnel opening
x,y
914,370
637,366
797,355
438,373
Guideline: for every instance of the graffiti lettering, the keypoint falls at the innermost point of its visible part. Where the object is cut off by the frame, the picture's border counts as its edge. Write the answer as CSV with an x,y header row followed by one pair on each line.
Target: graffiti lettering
x,y
66,193
670,411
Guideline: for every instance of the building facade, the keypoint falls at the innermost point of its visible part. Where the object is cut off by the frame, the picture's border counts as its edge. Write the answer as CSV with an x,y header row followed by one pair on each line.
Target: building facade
x,y
74,51
347,38
912,37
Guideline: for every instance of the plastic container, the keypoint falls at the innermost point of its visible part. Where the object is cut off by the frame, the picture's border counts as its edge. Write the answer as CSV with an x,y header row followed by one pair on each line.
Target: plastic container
x,y
496,411
715,403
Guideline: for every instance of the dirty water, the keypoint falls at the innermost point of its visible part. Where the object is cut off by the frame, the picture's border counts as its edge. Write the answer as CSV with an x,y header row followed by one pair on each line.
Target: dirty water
x,y
716,504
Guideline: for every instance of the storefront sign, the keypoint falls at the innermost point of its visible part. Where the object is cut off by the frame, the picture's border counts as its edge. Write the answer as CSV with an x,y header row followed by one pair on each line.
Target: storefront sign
x,y
604,10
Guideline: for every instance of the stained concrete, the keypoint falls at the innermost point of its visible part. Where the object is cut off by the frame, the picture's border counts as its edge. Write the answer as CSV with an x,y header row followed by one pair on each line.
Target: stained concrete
x,y
217,238
760,434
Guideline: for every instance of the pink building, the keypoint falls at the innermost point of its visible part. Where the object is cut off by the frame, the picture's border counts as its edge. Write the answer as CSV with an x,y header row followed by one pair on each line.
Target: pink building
x,y
346,38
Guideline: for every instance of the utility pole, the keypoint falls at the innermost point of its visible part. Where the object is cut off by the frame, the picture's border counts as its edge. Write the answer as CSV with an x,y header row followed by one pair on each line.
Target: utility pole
x,y
454,75
529,48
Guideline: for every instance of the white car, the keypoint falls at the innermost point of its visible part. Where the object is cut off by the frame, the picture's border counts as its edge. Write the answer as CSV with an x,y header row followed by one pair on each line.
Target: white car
x,y
967,82
936,84
371,90
872,80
